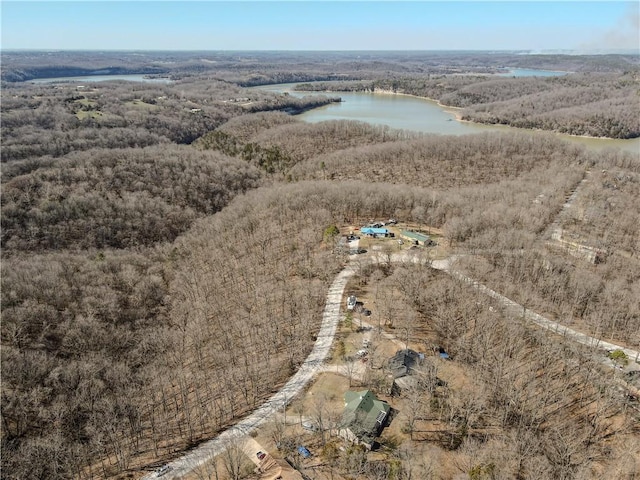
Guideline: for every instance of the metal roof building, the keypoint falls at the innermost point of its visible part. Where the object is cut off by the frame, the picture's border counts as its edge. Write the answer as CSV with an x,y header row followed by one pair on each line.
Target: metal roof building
x,y
379,232
364,415
414,237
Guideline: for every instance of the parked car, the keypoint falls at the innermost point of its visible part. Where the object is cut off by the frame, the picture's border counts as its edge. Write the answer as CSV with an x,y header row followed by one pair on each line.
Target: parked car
x,y
304,452
361,353
312,427
163,470
352,301
261,455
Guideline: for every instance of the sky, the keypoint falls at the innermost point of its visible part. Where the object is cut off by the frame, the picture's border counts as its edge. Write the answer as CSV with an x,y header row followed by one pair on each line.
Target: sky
x,y
583,26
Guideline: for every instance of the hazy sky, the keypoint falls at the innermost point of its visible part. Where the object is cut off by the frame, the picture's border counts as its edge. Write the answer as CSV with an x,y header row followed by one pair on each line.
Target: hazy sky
x,y
311,25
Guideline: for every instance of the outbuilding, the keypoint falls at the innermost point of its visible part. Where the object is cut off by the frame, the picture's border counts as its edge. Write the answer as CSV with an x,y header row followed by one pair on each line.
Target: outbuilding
x,y
415,237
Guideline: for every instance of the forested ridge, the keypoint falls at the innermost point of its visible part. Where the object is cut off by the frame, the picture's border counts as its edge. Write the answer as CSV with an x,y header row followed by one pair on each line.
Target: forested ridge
x,y
116,198
58,119
260,67
165,267
279,146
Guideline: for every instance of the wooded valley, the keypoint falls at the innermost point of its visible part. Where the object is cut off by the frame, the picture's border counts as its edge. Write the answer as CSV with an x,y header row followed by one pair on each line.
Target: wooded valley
x,y
165,264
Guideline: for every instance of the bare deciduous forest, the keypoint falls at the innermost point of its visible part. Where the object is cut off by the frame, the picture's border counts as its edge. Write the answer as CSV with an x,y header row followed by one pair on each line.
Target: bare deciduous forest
x,y
165,264
116,198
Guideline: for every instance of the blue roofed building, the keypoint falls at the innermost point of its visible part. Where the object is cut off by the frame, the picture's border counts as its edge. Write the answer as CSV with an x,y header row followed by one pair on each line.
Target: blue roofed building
x,y
375,232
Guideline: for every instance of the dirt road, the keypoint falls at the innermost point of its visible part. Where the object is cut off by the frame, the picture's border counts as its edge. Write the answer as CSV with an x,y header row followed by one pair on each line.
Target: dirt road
x,y
312,365
314,362
515,309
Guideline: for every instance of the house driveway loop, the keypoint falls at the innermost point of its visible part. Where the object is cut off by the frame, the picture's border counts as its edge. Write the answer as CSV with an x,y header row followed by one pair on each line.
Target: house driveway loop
x,y
314,362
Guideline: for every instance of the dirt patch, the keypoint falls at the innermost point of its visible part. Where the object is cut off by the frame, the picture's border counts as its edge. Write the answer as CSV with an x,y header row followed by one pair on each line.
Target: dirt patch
x,y
327,390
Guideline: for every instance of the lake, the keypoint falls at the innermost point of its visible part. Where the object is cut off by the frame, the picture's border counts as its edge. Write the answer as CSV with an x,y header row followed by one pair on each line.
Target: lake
x,y
528,72
101,78
407,112
395,110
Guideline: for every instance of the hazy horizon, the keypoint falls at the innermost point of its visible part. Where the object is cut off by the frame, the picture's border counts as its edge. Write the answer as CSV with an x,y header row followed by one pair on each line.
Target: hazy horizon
x,y
521,52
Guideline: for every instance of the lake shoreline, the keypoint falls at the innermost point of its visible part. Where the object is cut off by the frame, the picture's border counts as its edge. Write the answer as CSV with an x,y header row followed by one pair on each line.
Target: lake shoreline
x,y
455,111
450,112
447,108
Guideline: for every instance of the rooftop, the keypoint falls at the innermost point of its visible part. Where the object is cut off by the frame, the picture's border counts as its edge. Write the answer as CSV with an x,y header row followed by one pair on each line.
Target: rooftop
x,y
374,231
364,413
421,237
403,361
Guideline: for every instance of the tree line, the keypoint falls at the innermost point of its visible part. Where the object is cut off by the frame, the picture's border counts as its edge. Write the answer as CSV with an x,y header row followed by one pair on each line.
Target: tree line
x,y
262,67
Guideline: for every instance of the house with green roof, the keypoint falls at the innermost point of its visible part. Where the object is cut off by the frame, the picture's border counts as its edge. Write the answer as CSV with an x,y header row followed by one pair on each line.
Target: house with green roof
x,y
364,416
415,237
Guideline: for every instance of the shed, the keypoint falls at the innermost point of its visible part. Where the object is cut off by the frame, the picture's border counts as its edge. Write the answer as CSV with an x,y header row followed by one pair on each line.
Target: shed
x,y
415,237
352,301
304,451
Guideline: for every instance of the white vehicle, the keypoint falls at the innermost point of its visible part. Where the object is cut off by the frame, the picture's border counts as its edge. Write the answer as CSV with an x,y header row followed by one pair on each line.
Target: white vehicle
x,y
163,470
351,302
308,425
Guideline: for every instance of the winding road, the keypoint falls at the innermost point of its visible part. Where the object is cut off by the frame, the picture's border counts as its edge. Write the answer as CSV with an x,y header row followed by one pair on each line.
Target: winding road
x,y
516,310
312,365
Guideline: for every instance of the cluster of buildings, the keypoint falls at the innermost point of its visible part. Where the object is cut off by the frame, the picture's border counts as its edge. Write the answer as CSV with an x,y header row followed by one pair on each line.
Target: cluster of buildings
x,y
380,230
365,415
